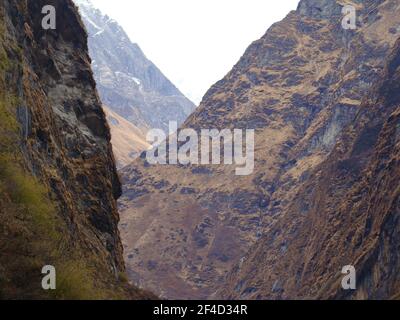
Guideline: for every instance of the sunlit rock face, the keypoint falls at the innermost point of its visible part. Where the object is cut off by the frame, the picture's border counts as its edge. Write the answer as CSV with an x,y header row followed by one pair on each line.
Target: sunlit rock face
x,y
345,214
299,87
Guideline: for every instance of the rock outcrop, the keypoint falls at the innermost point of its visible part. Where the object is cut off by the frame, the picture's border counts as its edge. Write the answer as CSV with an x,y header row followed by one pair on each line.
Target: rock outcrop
x,y
59,182
299,86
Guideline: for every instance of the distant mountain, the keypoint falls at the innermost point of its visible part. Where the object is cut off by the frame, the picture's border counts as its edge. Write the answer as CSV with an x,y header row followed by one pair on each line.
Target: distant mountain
x,y
128,83
128,141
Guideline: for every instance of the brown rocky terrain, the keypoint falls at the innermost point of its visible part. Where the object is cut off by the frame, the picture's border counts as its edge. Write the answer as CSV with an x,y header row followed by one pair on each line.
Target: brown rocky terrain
x,y
185,227
127,140
346,213
58,180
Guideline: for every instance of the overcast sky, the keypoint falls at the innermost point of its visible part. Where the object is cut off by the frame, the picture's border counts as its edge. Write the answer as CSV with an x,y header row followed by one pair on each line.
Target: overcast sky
x,y
195,42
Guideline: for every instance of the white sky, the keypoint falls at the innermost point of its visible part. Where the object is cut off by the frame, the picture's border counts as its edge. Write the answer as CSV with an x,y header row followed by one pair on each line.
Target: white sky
x,y
195,43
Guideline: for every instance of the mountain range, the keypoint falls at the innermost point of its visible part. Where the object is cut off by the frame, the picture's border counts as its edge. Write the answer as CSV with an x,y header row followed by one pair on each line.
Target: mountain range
x,y
323,101
129,84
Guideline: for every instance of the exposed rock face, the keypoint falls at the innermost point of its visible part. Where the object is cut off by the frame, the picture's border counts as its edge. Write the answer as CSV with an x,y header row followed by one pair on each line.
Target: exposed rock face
x,y
346,213
65,140
128,83
299,86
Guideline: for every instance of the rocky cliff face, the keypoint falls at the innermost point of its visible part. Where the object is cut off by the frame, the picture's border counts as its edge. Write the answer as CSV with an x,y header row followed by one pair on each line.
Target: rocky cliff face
x,y
128,83
346,213
59,183
298,86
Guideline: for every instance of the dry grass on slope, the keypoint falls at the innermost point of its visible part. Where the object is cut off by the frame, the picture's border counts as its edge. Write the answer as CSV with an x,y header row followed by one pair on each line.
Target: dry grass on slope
x,y
128,141
32,232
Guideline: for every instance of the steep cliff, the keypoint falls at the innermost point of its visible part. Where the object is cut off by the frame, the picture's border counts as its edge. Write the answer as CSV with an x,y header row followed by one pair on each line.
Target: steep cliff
x,y
58,179
128,83
346,213
298,87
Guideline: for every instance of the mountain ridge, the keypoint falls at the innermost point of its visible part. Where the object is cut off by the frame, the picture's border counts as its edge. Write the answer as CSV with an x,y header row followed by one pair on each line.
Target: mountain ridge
x,y
298,86
125,60
352,202
129,84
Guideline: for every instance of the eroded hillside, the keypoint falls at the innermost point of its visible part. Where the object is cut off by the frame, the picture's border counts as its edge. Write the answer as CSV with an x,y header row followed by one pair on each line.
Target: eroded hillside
x,y
346,213
185,227
128,141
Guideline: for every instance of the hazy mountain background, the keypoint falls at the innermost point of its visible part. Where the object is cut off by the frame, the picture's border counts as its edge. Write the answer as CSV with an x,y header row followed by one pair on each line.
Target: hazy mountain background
x,y
129,84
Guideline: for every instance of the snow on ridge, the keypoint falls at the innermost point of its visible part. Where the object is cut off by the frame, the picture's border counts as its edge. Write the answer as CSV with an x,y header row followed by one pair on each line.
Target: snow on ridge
x,y
98,33
85,8
91,21
84,3
134,79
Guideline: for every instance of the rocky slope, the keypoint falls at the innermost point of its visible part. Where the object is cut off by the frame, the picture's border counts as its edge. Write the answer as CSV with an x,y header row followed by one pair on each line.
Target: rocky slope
x,y
346,213
128,83
127,140
298,87
58,179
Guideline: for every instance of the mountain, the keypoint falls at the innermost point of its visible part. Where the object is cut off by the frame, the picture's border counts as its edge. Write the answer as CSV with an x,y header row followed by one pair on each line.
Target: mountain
x,y
128,83
299,87
346,213
127,140
58,180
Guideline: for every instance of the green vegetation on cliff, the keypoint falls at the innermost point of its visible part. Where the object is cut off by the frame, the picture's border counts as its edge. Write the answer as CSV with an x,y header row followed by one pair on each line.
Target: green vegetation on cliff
x,y
32,232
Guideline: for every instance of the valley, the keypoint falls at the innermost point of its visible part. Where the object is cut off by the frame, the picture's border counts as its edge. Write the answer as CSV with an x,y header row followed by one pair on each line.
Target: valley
x,y
282,184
